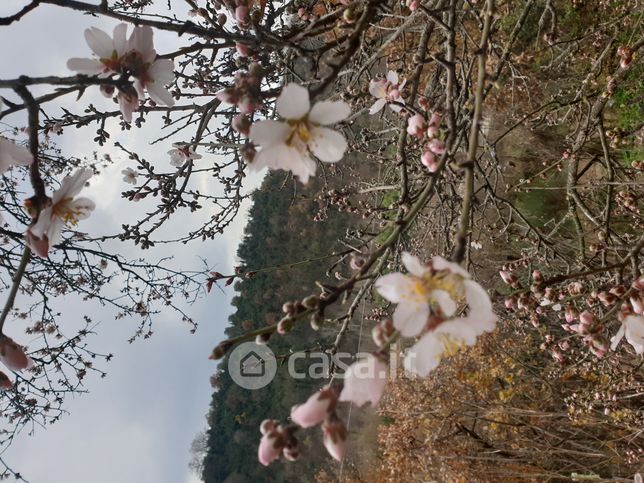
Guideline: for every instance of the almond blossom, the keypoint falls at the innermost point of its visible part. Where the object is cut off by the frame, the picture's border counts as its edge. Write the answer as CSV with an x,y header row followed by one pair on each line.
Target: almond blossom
x,y
135,56
150,73
108,50
12,154
633,328
12,355
364,381
427,300
387,91
129,175
182,153
288,144
63,210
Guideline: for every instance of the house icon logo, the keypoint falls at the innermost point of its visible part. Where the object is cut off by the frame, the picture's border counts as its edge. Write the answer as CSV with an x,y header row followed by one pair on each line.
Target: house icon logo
x,y
252,366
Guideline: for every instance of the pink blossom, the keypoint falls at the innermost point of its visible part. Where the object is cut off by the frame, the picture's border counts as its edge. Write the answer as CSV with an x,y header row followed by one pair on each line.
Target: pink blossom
x,y
364,381
315,409
12,355
436,146
429,161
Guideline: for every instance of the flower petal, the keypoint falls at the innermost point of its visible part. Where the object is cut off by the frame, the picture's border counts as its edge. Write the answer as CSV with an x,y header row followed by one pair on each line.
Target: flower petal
x,y
377,88
410,317
327,144
444,301
414,265
395,286
439,263
85,66
425,355
392,76
293,102
378,105
100,42
364,381
329,112
269,132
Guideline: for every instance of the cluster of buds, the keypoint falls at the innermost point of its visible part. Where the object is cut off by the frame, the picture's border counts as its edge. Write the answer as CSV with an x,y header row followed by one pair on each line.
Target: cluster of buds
x,y
277,441
418,127
628,201
246,92
292,309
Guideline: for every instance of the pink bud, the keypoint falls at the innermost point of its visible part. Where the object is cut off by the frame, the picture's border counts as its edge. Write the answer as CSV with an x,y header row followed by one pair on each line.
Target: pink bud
x,y
241,124
315,409
571,314
270,447
436,119
509,303
267,426
638,284
508,277
575,288
5,382
586,318
242,16
606,298
416,125
335,437
247,105
12,355
228,95
537,276
432,131
242,49
436,146
429,161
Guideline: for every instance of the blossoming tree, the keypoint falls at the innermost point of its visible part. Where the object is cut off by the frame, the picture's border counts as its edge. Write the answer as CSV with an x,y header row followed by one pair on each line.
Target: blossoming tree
x,y
299,87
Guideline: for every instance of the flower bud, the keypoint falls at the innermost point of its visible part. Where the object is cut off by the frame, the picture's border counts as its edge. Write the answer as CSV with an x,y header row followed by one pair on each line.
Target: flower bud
x,y
285,325
311,302
416,125
334,436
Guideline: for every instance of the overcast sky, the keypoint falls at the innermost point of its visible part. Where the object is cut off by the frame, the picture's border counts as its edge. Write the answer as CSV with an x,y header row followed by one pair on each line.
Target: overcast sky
x,y
137,424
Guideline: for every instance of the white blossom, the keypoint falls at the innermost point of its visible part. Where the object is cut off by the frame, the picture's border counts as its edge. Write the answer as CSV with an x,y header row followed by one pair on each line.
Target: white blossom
x,y
387,91
63,210
288,144
108,50
182,153
633,328
428,298
129,175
